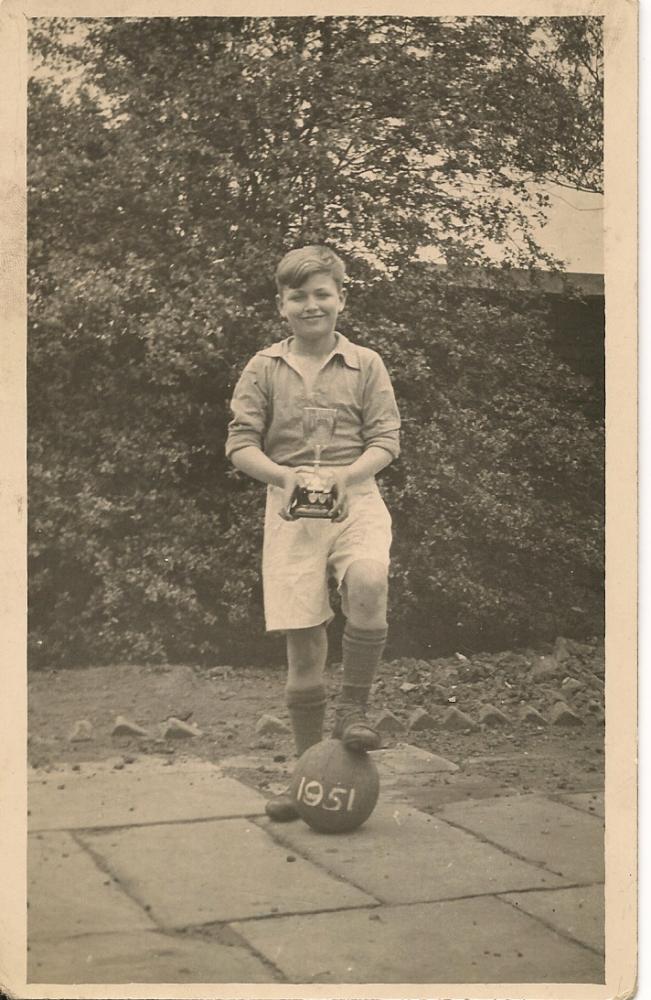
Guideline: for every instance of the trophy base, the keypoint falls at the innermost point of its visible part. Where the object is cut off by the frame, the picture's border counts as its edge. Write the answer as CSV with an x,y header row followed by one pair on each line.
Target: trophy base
x,y
312,503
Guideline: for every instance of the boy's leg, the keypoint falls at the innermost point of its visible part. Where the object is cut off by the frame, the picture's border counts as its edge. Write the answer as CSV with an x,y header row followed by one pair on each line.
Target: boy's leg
x,y
306,700
305,692
365,633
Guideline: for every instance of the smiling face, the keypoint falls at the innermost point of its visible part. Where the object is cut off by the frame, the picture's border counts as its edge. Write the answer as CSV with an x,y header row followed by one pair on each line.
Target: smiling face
x,y
312,309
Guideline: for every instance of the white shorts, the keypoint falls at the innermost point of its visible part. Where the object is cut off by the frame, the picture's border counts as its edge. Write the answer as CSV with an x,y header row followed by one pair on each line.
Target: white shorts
x,y
299,556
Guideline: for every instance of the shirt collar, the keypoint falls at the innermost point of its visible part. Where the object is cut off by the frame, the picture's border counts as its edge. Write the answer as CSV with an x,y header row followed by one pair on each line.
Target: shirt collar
x,y
343,346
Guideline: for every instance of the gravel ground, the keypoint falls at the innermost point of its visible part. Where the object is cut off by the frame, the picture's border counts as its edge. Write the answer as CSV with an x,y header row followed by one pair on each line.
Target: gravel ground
x,y
514,721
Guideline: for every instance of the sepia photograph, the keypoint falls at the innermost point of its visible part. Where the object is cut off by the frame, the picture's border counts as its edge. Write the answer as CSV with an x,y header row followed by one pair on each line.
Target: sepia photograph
x,y
316,373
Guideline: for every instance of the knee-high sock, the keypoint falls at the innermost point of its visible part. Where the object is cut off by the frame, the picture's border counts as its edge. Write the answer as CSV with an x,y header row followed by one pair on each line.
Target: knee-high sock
x,y
307,712
362,651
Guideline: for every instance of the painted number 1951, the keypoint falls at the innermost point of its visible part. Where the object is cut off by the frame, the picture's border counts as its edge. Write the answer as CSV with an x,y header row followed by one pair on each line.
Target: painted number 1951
x,y
312,793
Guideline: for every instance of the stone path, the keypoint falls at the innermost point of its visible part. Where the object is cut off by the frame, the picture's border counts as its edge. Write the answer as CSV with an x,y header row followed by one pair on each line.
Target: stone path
x,y
172,873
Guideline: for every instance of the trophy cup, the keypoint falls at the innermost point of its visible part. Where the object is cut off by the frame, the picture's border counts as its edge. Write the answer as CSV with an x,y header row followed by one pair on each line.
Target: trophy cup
x,y
316,497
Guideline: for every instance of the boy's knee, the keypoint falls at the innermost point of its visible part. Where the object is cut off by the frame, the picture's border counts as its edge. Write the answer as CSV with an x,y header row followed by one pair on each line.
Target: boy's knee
x,y
367,583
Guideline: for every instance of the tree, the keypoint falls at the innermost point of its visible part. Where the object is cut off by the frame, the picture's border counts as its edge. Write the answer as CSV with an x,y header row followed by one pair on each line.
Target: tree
x,y
378,134
171,161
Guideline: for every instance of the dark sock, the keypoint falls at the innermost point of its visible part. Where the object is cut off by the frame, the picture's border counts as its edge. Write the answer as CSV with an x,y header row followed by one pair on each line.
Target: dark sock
x,y
307,712
362,651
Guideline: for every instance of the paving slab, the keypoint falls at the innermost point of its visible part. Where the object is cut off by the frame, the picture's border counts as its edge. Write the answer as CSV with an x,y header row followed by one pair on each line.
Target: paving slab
x,y
420,788
592,802
565,840
68,894
145,763
577,912
143,958
402,855
252,762
407,759
471,940
125,797
405,769
196,873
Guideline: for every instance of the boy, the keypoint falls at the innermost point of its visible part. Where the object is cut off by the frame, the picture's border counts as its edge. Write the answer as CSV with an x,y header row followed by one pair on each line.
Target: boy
x,y
316,366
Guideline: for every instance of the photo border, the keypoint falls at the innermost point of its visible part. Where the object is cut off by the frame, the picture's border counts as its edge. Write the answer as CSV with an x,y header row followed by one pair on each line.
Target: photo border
x,y
620,231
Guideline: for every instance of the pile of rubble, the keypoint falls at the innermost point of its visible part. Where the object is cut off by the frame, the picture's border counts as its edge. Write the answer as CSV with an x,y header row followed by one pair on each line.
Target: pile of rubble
x,y
564,687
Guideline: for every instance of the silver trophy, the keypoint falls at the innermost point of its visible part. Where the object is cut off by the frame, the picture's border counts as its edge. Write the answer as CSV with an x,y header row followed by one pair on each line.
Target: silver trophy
x,y
316,498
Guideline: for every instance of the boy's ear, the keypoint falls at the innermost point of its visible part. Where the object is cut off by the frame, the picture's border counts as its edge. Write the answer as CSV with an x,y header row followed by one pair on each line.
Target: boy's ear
x,y
342,296
279,304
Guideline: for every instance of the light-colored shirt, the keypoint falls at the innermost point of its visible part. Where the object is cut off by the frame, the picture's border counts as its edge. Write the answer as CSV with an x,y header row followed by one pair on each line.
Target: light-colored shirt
x,y
270,396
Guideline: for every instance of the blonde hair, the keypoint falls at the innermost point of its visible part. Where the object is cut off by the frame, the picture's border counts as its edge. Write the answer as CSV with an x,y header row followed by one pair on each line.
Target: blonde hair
x,y
297,265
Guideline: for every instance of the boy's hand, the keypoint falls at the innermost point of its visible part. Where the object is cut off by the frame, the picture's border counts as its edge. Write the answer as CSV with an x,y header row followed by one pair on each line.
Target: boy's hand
x,y
291,479
340,487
